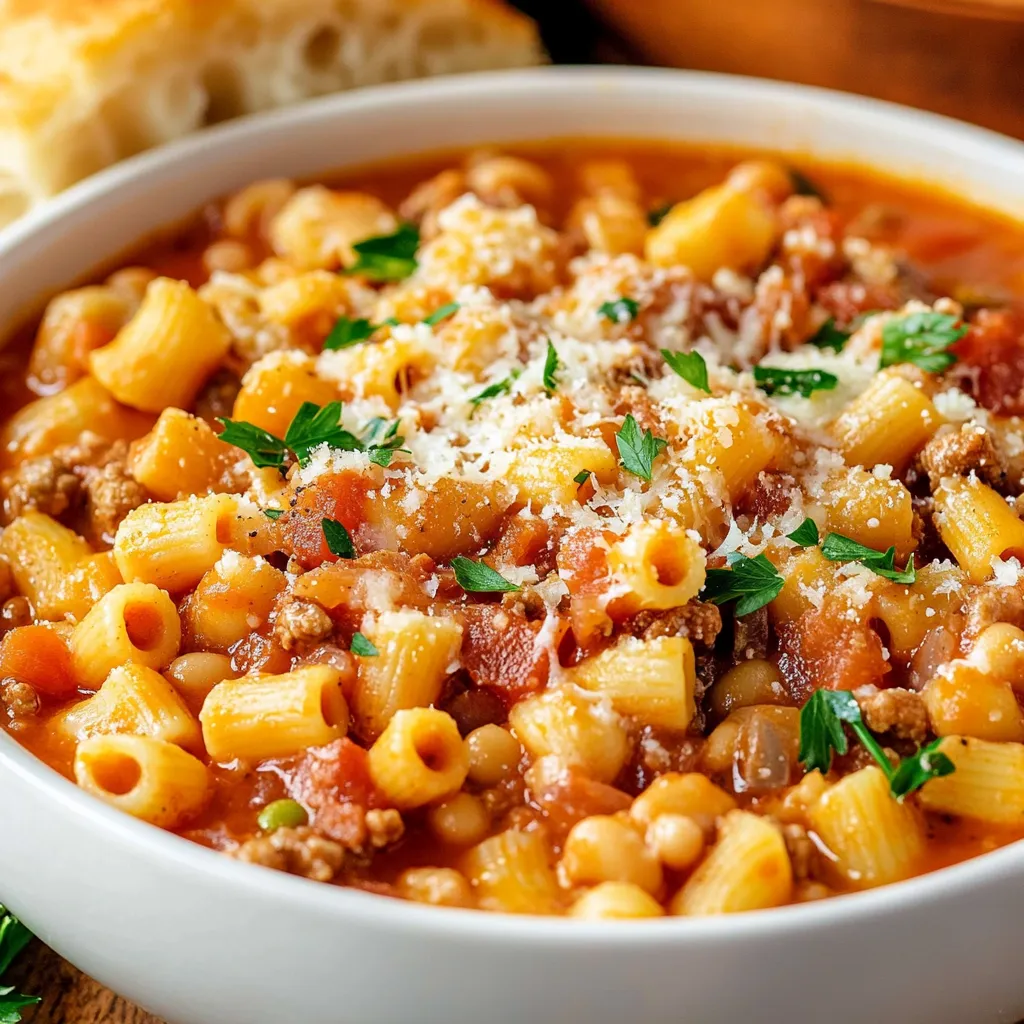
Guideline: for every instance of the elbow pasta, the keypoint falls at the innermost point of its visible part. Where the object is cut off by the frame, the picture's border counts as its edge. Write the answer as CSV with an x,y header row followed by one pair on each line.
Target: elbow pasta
x,y
492,541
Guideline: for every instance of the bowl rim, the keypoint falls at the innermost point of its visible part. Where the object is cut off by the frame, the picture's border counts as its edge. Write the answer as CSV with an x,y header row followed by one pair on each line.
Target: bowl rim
x,y
356,906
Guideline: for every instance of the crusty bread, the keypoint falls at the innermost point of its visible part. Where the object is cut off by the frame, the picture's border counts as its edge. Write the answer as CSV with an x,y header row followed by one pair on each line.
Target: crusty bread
x,y
84,83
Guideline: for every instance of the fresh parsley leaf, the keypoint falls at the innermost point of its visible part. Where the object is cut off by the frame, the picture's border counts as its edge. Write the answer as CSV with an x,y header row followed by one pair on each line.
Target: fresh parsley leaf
x,y
381,452
829,336
751,582
447,310
479,578
387,257
806,534
273,513
690,366
12,1003
551,365
658,214
345,333
821,727
314,425
338,541
803,186
363,647
581,477
620,311
260,445
638,450
922,339
501,387
775,380
14,937
838,548
913,772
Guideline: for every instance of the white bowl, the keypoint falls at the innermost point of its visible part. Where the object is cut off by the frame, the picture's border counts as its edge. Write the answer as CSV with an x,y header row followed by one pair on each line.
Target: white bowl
x,y
200,939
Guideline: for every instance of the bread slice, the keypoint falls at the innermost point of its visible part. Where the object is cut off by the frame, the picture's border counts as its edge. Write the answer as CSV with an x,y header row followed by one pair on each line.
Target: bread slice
x,y
84,83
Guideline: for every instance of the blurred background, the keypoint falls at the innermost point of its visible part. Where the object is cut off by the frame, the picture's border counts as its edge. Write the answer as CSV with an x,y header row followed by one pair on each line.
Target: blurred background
x,y
964,58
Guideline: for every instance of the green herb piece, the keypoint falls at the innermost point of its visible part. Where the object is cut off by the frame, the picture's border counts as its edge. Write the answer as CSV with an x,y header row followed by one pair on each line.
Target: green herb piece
x,y
14,937
387,257
338,540
838,548
501,387
260,445
921,339
803,186
479,578
774,380
620,311
806,534
551,365
829,336
273,513
690,366
314,426
361,646
447,310
822,733
581,477
751,582
383,451
913,772
282,814
345,333
638,450
658,214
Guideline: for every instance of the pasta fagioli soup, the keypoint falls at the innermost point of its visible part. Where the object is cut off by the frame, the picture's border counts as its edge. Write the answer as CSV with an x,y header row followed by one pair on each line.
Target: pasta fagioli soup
x,y
605,530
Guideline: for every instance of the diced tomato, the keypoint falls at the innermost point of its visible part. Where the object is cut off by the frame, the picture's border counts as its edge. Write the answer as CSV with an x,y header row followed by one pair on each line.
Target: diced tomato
x,y
991,361
566,796
337,772
338,496
583,561
38,655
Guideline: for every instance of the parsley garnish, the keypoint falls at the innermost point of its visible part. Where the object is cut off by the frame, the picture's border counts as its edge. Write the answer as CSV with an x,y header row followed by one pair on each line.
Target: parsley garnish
x,y
806,534
838,548
752,582
638,450
803,186
822,732
551,365
620,311
273,513
381,452
447,310
261,446
829,336
690,366
338,541
14,937
363,647
922,339
501,387
774,380
581,477
658,214
313,426
479,578
345,333
387,257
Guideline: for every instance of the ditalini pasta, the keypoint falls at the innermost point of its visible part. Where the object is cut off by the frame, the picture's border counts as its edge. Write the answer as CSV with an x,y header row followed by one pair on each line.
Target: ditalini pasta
x,y
602,531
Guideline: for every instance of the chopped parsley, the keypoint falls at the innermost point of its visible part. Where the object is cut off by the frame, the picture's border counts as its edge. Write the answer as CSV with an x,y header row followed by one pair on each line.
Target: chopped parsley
x,y
922,339
805,535
658,214
346,332
14,937
260,445
551,365
822,732
581,477
501,387
338,540
363,647
638,450
775,380
382,451
273,513
479,578
690,366
445,311
829,336
751,582
620,311
387,257
315,425
838,548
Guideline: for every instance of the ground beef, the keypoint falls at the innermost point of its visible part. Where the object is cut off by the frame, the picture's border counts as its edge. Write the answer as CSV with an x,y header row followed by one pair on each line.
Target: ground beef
x,y
961,452
300,623
111,492
44,485
19,700
698,621
750,635
801,849
384,827
299,851
901,712
987,605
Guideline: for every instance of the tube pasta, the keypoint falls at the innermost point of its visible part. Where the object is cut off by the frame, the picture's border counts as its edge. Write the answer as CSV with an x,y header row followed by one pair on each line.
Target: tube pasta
x,y
512,872
147,778
545,473
274,389
660,565
988,783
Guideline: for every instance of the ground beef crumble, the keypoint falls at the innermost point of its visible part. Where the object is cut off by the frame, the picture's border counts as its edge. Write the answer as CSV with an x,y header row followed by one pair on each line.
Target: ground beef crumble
x,y
970,449
19,700
301,623
111,492
901,712
697,621
44,485
299,851
987,605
